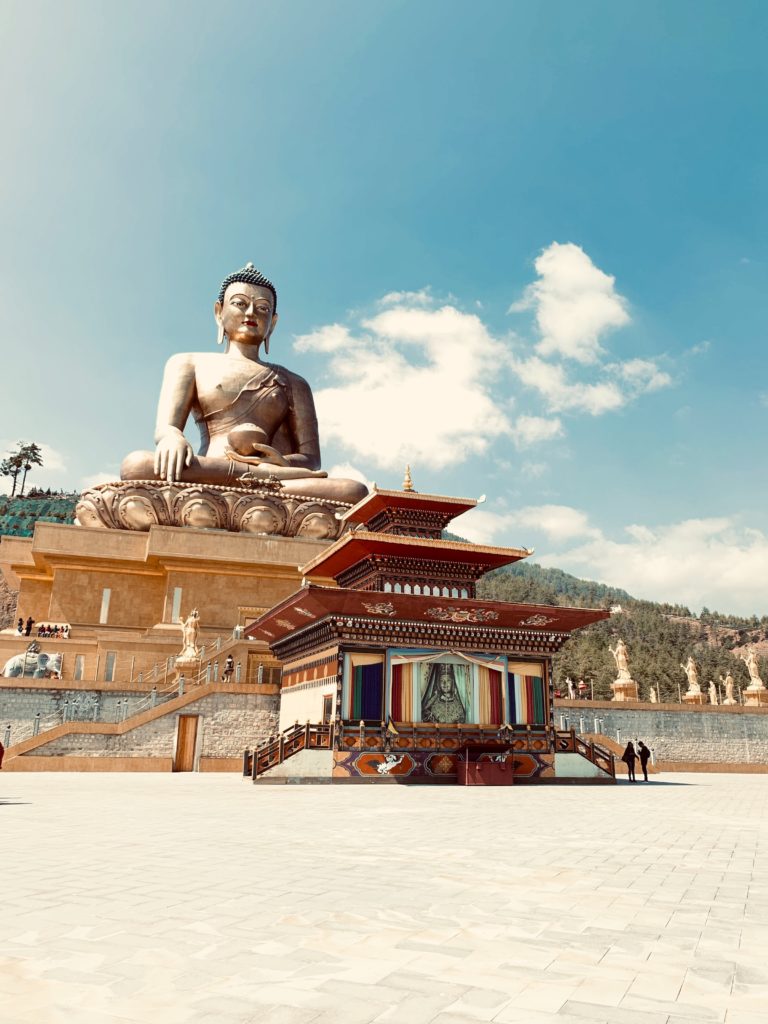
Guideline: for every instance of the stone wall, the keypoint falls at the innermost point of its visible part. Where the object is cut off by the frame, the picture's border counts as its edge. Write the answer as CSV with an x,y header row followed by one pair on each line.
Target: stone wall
x,y
229,722
675,733
20,705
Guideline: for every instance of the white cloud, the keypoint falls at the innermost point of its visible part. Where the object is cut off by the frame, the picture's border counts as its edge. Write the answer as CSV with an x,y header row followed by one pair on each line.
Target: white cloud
x,y
575,303
530,430
346,471
533,470
714,562
332,338
697,562
94,479
412,385
644,375
557,523
562,395
430,384
423,297
482,526
700,349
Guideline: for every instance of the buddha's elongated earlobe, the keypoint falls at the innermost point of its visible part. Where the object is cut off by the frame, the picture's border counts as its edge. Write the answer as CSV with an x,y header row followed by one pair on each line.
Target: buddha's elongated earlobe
x,y
266,346
220,336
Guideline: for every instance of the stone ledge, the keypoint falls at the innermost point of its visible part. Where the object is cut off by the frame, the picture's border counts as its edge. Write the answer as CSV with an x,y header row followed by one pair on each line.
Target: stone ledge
x,y
73,763
686,709
221,764
723,767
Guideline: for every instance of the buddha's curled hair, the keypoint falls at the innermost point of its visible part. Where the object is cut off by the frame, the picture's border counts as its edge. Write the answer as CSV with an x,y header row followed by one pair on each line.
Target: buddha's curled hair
x,y
248,275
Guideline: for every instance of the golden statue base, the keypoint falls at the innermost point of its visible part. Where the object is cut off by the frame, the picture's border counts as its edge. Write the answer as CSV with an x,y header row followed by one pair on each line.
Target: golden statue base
x,y
261,507
624,690
755,697
694,698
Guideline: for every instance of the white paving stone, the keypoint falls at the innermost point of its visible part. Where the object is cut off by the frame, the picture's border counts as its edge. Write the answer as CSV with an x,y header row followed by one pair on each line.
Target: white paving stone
x,y
188,899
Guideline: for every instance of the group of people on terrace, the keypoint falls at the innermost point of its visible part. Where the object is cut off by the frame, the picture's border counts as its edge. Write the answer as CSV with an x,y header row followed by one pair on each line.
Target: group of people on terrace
x,y
44,631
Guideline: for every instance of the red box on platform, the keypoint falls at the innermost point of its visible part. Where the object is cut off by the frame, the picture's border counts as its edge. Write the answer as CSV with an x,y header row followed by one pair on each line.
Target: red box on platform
x,y
485,773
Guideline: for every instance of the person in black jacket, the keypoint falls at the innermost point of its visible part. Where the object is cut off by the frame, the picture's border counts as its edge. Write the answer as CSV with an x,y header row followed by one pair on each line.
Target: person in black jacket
x,y
629,757
645,755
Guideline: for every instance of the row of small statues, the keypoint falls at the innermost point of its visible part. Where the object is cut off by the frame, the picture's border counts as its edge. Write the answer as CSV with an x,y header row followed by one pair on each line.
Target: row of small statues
x,y
624,676
576,690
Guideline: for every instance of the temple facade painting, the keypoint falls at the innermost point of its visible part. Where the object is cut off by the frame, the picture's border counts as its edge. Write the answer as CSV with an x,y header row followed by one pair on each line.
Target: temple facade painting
x,y
418,685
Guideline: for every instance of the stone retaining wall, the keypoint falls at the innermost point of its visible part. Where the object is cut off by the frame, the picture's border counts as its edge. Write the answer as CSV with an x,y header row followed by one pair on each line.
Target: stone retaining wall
x,y
229,722
675,733
20,705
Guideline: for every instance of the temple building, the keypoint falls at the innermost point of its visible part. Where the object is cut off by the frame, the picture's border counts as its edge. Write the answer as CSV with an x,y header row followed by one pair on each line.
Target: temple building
x,y
394,667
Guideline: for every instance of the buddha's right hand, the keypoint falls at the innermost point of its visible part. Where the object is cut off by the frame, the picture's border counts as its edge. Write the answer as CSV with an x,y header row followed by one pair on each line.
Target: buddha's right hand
x,y
172,454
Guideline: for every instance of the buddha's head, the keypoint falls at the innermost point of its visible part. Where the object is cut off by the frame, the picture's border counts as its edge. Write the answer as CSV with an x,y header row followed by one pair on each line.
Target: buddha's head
x,y
246,309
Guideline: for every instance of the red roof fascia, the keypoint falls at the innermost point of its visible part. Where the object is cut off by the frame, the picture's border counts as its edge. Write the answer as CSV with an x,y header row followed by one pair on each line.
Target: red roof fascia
x,y
377,501
352,548
312,604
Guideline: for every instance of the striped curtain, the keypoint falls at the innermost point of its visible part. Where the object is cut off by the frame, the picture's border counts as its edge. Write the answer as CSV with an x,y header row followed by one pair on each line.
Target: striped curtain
x,y
490,696
527,703
368,692
402,692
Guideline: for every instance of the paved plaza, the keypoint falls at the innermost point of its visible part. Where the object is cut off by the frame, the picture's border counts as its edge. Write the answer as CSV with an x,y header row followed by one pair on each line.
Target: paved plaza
x,y
166,899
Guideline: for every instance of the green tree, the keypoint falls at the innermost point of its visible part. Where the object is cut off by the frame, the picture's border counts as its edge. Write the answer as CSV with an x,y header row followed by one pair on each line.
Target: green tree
x,y
30,455
11,466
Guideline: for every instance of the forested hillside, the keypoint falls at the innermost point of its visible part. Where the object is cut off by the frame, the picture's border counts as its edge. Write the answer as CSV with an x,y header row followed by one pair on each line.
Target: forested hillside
x,y
659,636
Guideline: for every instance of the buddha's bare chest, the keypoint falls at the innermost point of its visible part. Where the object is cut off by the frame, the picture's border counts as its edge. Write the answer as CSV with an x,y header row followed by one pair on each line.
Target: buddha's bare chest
x,y
247,388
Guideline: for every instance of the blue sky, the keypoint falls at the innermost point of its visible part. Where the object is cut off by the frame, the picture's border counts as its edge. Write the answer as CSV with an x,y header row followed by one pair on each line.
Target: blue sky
x,y
406,172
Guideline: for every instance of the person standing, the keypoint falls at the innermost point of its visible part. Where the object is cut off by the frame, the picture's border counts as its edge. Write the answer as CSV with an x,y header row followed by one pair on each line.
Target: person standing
x,y
629,757
645,755
28,627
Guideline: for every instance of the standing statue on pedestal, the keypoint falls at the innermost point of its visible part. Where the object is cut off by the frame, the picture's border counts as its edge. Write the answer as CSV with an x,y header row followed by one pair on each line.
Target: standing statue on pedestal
x,y
571,688
653,696
756,692
621,659
713,693
728,683
258,467
624,687
190,634
693,694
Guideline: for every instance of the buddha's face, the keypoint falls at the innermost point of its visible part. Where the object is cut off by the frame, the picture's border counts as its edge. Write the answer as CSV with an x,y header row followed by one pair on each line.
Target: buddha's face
x,y
247,313
446,683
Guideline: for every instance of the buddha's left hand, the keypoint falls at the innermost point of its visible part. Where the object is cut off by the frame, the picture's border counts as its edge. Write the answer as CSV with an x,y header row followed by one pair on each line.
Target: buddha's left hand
x,y
266,453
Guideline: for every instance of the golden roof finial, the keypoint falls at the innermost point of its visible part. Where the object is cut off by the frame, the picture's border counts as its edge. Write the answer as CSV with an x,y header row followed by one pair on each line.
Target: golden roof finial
x,y
407,482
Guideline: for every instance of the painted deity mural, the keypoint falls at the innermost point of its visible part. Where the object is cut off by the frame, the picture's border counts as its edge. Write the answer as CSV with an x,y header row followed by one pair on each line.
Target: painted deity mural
x,y
445,693
443,688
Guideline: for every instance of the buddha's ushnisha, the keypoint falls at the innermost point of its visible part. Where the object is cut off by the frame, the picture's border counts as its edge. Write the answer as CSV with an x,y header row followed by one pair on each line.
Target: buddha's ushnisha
x,y
256,419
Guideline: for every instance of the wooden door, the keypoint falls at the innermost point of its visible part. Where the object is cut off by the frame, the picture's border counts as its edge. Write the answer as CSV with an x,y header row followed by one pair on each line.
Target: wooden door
x,y
185,744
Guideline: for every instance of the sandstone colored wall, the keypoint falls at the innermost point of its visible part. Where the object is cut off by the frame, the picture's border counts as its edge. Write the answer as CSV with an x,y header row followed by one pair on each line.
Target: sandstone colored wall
x,y
62,570
708,735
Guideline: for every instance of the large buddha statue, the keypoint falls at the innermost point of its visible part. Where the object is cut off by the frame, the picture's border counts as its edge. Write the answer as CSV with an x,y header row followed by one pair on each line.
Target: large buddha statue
x,y
259,438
